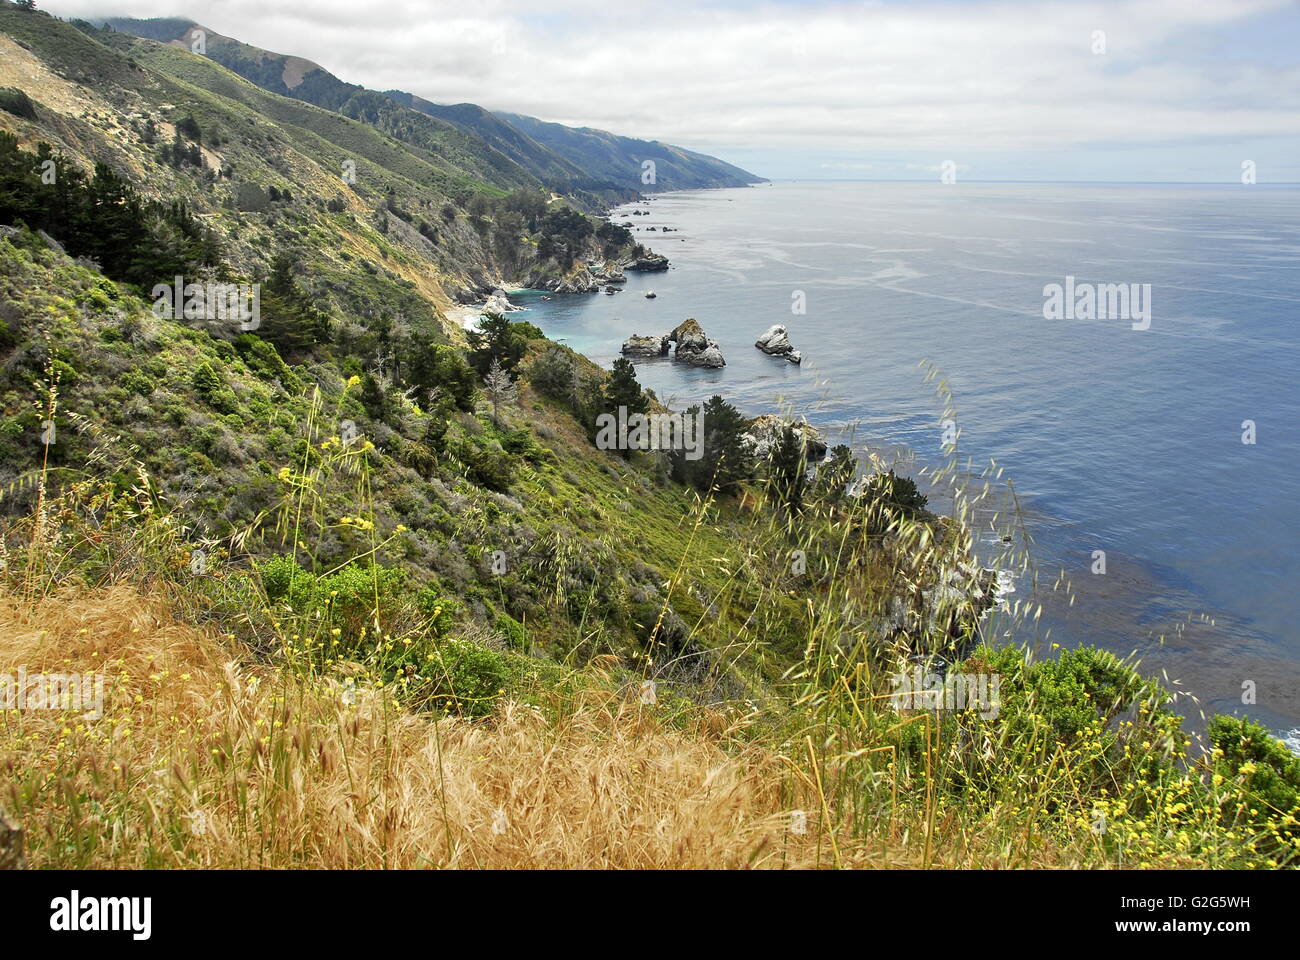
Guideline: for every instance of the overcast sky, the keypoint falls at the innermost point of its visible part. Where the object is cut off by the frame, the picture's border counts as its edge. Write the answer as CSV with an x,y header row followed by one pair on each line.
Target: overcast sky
x,y
1141,90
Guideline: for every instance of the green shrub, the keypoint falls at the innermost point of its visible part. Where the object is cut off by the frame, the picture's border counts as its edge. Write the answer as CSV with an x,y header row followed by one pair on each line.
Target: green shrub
x,y
350,598
888,498
527,330
466,678
512,630
212,389
485,465
15,101
551,373
439,608
358,595
133,381
1269,773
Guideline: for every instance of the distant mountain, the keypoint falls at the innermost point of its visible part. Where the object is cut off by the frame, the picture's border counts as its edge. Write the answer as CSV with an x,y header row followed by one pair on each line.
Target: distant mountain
x,y
565,159
609,156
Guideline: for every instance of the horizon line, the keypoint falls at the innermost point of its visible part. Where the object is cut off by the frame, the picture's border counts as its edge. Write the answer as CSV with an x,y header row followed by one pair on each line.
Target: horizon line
x,y
1221,183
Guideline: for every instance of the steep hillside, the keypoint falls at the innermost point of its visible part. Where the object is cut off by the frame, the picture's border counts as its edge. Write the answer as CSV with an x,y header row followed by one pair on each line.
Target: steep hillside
x,y
413,224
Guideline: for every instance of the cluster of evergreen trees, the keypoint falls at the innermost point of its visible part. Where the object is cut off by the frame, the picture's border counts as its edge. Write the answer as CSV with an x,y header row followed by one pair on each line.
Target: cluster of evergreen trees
x,y
101,217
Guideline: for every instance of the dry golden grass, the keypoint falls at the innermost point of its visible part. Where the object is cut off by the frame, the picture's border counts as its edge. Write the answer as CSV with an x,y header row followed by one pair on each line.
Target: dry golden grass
x,y
201,761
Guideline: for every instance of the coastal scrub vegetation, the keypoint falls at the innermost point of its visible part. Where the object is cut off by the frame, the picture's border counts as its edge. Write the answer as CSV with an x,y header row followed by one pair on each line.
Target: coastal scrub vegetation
x,y
364,593
364,670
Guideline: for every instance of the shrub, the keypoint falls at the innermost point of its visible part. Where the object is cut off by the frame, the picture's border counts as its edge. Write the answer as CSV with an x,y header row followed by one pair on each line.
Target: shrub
x,y
888,499
512,630
352,598
466,678
527,330
551,373
439,608
1268,773
486,465
15,101
212,389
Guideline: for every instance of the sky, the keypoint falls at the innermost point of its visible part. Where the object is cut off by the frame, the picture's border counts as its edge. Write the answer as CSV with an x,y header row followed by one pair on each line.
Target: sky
x,y
1127,90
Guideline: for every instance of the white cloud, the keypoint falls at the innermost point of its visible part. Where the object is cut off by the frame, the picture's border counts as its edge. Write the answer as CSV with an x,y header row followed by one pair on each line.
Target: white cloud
x,y
941,78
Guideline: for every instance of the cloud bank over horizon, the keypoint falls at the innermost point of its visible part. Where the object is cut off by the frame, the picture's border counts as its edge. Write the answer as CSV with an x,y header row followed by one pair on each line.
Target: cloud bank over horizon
x,y
1127,89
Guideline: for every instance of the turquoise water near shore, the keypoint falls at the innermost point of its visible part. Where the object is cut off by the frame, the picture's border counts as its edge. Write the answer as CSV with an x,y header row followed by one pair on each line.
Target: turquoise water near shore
x,y
1122,440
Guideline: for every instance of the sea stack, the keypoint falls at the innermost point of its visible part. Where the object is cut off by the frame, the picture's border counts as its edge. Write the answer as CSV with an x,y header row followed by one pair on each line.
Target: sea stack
x,y
645,347
776,342
694,347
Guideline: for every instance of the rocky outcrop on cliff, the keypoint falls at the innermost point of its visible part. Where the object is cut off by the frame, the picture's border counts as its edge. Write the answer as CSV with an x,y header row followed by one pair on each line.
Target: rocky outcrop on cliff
x,y
940,611
580,281
589,277
764,433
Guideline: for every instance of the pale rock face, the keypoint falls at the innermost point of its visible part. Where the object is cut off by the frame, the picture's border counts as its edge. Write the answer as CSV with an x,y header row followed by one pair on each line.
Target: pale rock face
x,y
694,346
775,341
639,346
689,335
765,432
710,356
497,303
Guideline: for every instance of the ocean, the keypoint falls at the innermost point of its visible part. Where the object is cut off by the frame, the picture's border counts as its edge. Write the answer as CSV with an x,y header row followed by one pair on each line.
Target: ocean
x,y
1117,438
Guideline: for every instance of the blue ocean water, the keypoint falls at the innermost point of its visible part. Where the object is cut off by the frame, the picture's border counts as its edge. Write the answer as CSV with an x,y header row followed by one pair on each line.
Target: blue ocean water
x,y
1122,440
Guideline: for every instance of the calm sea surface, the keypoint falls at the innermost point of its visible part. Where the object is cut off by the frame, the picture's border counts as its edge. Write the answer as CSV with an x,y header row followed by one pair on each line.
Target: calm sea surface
x,y
1121,440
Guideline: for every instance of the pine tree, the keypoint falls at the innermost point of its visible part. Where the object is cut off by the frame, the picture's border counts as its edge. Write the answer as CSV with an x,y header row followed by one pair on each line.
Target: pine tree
x,y
500,389
495,339
787,470
835,474
623,390
434,367
726,460
289,320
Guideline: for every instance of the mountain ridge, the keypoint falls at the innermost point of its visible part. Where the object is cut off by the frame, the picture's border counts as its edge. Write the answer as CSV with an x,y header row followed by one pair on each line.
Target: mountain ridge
x,y
585,158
